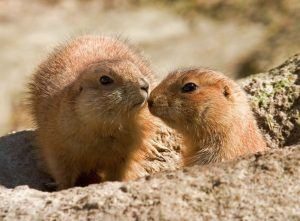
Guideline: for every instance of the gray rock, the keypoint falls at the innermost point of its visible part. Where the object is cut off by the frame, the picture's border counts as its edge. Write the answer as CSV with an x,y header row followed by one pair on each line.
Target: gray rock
x,y
275,97
18,162
261,187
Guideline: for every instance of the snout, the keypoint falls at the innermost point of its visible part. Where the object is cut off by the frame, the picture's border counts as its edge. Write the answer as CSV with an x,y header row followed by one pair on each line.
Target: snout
x,y
150,103
158,101
144,88
158,105
143,93
144,85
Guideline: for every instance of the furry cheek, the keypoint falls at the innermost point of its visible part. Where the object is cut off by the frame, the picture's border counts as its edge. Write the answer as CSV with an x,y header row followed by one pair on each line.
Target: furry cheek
x,y
115,96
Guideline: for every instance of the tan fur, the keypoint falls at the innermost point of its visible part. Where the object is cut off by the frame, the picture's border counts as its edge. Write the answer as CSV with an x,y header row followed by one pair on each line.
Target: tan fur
x,y
216,121
84,127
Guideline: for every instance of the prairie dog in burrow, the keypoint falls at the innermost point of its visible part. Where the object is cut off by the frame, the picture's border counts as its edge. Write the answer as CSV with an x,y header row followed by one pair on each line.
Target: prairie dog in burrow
x,y
88,100
211,112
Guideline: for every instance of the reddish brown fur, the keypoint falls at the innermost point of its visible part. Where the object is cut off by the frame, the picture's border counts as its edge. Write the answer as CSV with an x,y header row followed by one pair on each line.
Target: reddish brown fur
x,y
215,119
83,126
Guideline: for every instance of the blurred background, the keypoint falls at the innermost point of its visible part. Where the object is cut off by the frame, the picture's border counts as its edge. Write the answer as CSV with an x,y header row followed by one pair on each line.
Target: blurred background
x,y
238,37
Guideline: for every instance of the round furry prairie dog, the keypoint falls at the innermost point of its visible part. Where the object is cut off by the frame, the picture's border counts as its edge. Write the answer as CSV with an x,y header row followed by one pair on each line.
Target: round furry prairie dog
x,y
211,112
88,100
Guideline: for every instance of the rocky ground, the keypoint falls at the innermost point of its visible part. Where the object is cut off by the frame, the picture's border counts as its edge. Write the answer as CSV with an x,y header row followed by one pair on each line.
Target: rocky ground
x,y
260,187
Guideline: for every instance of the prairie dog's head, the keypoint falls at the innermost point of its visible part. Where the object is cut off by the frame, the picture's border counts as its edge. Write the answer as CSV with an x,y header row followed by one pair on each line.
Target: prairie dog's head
x,y
198,98
110,92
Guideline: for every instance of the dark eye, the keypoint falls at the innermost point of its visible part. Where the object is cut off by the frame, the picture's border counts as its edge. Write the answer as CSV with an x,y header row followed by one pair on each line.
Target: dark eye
x,y
106,80
189,87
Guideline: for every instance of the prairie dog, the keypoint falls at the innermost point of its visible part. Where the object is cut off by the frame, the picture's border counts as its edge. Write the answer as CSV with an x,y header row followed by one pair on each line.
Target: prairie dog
x,y
211,112
88,99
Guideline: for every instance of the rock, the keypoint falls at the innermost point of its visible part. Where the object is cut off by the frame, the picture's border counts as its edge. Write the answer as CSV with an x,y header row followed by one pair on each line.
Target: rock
x,y
258,187
18,162
275,97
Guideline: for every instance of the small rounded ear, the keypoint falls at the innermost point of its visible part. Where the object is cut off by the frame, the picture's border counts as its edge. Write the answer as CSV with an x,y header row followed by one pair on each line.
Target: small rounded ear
x,y
227,91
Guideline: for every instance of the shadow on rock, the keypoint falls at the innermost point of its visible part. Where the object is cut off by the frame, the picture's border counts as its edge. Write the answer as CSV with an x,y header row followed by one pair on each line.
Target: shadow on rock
x,y
18,162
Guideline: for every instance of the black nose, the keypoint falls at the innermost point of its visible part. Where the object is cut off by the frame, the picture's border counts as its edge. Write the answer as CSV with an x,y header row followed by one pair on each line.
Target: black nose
x,y
144,85
150,103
